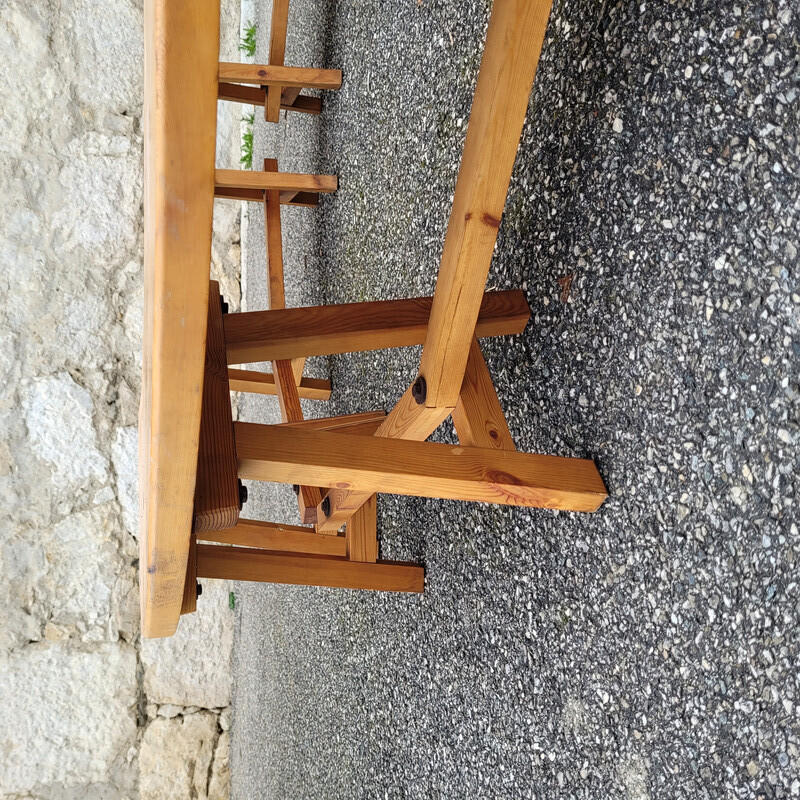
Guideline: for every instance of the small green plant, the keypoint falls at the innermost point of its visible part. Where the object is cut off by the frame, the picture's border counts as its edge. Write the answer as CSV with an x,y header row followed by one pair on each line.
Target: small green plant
x,y
247,141
231,601
247,44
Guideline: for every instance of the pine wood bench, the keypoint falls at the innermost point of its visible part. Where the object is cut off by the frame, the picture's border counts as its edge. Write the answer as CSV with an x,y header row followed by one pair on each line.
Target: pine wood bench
x,y
192,454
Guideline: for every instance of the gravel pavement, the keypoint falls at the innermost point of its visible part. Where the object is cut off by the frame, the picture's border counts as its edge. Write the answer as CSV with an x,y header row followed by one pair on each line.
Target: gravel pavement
x,y
650,650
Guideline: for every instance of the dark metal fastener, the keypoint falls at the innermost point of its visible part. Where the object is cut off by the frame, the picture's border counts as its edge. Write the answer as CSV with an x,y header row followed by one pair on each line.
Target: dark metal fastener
x,y
419,391
295,488
326,506
199,589
242,493
223,305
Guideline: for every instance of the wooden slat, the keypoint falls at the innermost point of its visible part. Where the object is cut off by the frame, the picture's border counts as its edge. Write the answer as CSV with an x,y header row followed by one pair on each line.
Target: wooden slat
x,y
344,422
280,181
422,469
324,330
361,533
180,112
256,96
478,417
216,497
282,538
273,75
511,54
277,54
242,380
236,563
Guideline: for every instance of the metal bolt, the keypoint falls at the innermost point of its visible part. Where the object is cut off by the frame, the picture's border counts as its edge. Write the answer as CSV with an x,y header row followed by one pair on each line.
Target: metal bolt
x,y
419,391
326,506
199,589
223,305
295,488
242,493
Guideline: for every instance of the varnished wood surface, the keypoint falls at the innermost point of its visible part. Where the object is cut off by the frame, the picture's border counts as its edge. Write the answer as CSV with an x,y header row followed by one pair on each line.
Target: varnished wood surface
x,y
216,497
283,538
243,380
237,563
272,74
478,417
324,330
511,54
180,113
421,469
362,533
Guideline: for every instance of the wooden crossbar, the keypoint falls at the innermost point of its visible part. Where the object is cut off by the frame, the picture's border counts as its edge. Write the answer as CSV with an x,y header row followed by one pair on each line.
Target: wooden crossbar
x,y
280,181
243,380
272,536
243,564
275,75
421,469
253,336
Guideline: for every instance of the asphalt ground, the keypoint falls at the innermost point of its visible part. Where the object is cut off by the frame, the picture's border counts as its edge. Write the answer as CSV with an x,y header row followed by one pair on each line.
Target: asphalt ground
x,y
650,649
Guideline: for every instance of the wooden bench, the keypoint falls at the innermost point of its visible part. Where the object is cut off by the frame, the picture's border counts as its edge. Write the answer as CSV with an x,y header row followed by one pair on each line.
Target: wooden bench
x,y
192,454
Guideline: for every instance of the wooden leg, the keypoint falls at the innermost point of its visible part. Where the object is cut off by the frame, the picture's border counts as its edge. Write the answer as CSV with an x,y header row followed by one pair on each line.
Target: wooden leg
x,y
422,469
361,533
364,423
277,52
237,563
510,57
283,538
325,330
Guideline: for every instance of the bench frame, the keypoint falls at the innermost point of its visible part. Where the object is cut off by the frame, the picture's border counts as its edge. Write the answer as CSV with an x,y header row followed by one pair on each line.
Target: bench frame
x,y
452,380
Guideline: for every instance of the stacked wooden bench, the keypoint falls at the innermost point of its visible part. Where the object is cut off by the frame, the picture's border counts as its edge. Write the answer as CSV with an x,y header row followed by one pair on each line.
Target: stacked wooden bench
x,y
193,456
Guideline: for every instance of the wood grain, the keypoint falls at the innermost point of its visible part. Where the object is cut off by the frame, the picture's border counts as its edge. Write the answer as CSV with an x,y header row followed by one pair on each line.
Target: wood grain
x,y
274,75
256,96
180,113
243,380
280,181
511,54
362,534
478,417
237,563
324,330
216,496
421,469
283,538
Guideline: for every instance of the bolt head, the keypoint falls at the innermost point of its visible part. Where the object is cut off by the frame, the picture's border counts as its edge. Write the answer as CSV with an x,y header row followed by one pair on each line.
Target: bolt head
x,y
326,506
419,390
199,589
242,494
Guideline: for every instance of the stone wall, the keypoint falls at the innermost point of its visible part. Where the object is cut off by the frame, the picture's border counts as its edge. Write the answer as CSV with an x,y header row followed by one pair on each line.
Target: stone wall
x,y
88,711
